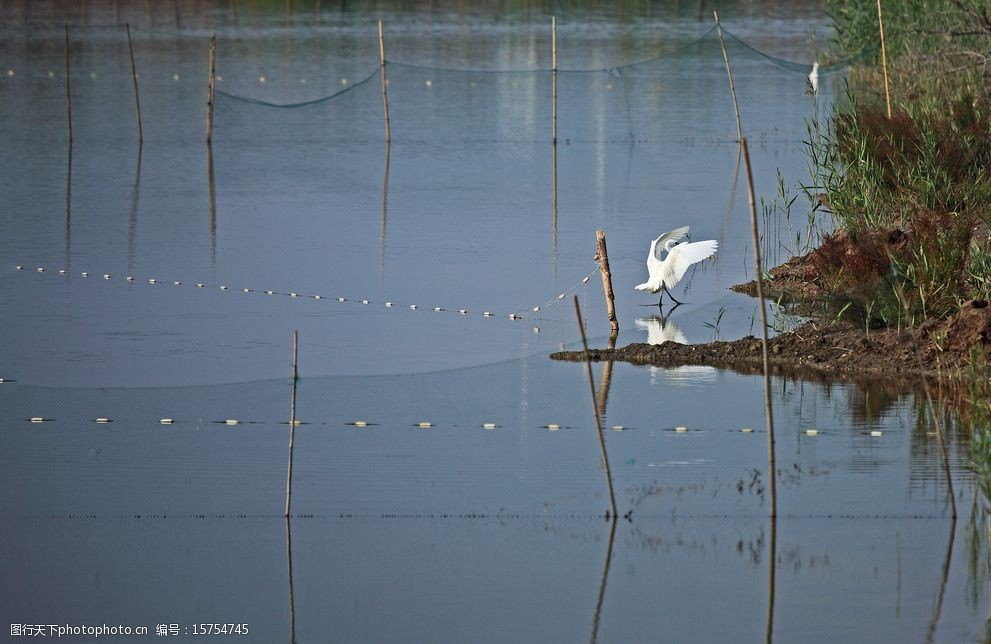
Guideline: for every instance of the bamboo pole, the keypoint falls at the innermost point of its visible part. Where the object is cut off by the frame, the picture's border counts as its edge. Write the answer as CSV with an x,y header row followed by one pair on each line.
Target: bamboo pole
x,y
763,332
212,89
134,79
385,84
554,80
602,257
68,88
292,422
611,513
884,58
729,74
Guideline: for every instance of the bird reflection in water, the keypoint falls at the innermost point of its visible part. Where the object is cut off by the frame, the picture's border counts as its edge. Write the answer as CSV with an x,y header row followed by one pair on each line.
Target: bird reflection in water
x,y
661,329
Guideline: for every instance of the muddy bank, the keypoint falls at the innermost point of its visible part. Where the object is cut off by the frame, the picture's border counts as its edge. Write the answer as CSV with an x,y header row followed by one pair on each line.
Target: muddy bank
x,y
903,359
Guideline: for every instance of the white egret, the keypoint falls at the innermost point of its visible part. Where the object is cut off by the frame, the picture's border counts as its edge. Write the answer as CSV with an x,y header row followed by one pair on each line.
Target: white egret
x,y
813,81
664,274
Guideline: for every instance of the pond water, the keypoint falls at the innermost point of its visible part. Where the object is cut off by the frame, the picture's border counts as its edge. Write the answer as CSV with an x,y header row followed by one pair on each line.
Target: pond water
x,y
447,481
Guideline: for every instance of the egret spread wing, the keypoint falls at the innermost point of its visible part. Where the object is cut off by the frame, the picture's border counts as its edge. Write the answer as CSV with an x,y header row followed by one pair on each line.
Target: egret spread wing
x,y
673,235
684,255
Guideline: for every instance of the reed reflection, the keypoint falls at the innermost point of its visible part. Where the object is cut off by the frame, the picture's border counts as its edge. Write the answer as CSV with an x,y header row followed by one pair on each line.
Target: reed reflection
x,y
938,607
602,584
213,204
385,209
132,224
292,595
68,205
772,568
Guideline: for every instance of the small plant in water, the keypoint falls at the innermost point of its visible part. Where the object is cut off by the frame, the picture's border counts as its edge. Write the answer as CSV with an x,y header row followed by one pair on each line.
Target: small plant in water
x,y
714,325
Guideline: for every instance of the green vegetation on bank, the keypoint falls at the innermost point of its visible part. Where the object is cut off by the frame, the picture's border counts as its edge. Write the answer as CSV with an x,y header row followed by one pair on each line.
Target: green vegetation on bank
x,y
910,194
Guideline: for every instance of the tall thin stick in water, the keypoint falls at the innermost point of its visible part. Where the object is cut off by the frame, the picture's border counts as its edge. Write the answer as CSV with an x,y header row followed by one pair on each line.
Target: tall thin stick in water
x,y
554,80
763,330
68,88
602,256
611,513
884,58
212,88
134,79
729,74
385,83
292,422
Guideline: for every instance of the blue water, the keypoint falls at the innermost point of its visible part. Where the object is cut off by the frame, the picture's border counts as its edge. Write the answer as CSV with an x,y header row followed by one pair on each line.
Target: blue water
x,y
485,523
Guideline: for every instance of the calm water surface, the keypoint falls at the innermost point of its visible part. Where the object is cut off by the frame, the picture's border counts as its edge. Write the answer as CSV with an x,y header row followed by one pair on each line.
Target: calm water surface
x,y
486,524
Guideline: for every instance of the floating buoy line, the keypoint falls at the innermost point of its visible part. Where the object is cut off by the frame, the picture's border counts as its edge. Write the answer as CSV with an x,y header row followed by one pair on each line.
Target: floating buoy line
x,y
488,425
530,312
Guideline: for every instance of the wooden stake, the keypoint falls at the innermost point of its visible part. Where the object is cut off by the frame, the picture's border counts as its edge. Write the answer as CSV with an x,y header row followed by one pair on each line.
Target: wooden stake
x,y
68,89
884,58
598,418
292,422
212,89
602,257
134,79
729,74
385,84
772,485
554,80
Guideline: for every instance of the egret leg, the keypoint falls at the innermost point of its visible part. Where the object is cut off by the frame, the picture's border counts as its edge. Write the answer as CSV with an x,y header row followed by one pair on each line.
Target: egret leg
x,y
671,296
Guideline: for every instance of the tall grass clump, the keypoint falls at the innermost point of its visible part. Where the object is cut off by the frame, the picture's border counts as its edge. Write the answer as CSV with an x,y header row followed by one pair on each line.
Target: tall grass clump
x,y
911,194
